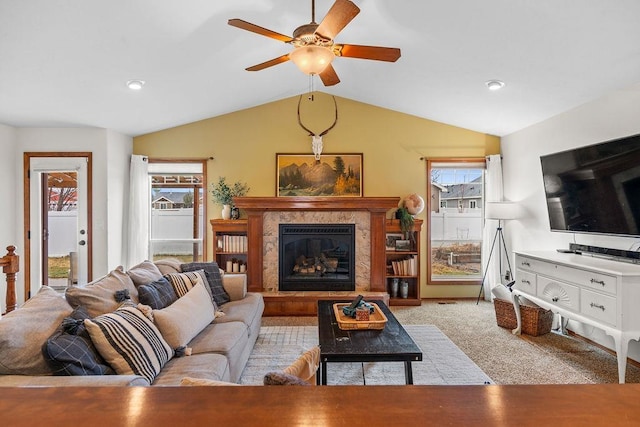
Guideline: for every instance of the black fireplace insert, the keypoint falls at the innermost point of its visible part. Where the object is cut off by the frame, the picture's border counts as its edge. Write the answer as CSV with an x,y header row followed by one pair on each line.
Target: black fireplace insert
x,y
316,257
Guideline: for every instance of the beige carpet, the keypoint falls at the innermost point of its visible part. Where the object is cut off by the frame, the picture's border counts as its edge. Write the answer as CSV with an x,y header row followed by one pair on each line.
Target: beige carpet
x,y
506,358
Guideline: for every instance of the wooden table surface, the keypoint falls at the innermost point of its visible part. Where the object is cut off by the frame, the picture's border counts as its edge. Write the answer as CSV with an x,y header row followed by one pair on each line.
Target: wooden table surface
x,y
352,406
392,343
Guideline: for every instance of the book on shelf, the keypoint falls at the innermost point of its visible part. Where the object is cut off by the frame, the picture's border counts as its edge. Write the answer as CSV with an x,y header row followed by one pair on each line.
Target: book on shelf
x,y
232,243
407,266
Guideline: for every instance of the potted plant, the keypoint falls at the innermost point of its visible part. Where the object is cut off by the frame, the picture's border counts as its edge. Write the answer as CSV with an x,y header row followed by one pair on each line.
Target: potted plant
x,y
223,194
406,222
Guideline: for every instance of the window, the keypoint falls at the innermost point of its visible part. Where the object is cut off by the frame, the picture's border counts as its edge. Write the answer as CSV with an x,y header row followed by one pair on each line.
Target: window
x,y
178,210
454,223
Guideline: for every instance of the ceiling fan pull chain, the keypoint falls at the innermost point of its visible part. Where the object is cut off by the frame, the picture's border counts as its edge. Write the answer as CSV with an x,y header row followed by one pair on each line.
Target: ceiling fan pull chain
x,y
311,88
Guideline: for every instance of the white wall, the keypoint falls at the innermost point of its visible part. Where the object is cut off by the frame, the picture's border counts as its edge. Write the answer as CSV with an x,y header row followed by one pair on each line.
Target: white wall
x,y
613,116
119,150
109,152
9,197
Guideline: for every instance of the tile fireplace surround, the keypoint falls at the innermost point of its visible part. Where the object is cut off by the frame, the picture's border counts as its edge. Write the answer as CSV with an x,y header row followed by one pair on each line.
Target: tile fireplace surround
x,y
266,213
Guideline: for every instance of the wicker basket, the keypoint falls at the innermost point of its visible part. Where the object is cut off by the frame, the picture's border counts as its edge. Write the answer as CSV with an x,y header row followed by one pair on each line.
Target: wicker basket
x,y
535,320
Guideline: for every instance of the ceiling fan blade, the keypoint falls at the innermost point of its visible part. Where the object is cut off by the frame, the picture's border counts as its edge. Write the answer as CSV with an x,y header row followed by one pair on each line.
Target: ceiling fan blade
x,y
378,53
329,76
270,63
244,25
340,14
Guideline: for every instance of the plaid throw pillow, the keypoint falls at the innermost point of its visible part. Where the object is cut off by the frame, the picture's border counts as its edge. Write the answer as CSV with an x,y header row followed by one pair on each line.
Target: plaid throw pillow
x,y
69,351
158,294
212,272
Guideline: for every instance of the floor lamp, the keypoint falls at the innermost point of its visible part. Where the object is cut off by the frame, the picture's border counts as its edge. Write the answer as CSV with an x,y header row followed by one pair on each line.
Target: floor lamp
x,y
500,211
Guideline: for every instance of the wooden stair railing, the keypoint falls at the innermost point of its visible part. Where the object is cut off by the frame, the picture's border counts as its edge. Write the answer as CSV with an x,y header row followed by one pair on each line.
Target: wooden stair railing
x,y
10,266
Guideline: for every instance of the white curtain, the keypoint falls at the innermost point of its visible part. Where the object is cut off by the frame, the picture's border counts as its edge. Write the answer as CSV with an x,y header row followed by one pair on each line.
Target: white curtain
x,y
139,206
493,193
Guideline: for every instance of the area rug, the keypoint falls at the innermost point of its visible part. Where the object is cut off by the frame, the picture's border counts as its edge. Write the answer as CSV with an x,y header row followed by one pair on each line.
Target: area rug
x,y
443,363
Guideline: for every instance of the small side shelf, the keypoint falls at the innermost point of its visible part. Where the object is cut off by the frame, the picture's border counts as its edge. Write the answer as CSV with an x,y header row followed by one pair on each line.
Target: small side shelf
x,y
230,246
403,266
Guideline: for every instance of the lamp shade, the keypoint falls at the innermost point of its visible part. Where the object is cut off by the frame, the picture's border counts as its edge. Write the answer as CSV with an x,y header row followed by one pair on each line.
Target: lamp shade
x,y
311,59
501,210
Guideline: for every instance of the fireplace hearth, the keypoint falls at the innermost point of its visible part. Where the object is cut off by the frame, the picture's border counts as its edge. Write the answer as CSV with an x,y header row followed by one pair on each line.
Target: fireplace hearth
x,y
316,257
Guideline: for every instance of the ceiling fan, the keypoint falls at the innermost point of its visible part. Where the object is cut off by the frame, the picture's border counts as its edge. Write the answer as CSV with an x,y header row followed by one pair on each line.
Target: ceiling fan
x,y
314,48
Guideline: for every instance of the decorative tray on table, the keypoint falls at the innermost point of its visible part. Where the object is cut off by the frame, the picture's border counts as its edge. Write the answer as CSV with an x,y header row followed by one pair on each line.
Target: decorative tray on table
x,y
377,319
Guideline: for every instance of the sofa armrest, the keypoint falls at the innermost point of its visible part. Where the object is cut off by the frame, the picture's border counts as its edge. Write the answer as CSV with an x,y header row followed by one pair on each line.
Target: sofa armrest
x,y
235,285
72,381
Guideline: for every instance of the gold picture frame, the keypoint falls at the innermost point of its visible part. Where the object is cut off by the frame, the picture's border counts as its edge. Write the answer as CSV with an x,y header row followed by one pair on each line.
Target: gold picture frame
x,y
334,175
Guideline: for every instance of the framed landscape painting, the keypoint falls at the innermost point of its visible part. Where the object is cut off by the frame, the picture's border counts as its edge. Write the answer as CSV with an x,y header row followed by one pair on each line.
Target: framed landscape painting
x,y
334,175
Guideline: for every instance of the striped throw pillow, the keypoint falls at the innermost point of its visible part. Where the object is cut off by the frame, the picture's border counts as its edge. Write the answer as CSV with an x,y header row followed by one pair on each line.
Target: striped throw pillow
x,y
183,282
129,342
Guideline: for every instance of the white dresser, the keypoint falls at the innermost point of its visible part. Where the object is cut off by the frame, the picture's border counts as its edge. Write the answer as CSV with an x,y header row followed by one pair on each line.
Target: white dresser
x,y
594,291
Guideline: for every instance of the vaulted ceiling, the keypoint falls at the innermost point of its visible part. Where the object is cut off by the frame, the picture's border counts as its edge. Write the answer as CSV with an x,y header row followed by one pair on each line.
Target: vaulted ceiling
x,y
65,63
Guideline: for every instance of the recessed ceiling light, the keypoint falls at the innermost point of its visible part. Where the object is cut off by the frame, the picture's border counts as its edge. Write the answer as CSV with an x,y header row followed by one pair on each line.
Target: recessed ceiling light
x,y
135,84
495,84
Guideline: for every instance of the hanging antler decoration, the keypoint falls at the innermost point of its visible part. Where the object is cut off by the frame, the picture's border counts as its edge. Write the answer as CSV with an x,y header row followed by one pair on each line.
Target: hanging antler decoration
x,y
316,140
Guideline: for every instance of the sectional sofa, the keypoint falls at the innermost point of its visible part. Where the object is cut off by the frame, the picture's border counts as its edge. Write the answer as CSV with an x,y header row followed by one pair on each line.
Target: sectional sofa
x,y
154,324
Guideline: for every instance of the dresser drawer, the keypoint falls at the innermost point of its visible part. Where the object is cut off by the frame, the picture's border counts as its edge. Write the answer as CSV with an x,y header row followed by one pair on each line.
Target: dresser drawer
x,y
525,281
598,306
598,281
559,293
526,263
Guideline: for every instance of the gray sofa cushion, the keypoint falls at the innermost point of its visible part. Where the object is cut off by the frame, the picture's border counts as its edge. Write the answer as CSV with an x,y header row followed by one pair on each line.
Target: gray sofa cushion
x,y
24,331
208,366
244,310
99,296
158,294
214,279
143,273
168,265
229,339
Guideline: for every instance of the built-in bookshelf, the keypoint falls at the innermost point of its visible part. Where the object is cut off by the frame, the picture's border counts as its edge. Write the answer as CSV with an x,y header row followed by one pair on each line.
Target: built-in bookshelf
x,y
402,254
230,244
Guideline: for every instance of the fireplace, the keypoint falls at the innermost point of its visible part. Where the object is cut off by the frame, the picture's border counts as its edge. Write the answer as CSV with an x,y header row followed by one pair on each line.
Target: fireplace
x,y
316,257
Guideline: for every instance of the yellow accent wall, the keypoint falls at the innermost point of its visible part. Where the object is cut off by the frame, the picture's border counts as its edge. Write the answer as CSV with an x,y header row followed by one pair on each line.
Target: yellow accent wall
x,y
244,144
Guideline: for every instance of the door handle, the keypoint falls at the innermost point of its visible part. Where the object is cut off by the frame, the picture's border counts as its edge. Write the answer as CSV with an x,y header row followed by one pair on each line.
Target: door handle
x,y
82,243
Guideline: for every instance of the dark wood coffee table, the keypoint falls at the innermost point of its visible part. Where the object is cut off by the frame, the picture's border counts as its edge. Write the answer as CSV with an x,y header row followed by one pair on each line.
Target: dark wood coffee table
x,y
391,344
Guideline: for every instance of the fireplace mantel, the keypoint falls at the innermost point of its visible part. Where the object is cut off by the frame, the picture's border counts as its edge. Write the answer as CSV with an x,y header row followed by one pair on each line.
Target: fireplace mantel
x,y
255,207
372,204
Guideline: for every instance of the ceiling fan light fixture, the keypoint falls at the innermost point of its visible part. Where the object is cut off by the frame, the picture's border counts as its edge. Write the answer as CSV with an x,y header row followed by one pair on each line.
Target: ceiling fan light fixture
x,y
312,59
495,84
135,84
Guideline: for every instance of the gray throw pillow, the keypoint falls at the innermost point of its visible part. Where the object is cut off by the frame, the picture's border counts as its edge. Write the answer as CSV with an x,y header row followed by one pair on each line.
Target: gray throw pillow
x,y
212,272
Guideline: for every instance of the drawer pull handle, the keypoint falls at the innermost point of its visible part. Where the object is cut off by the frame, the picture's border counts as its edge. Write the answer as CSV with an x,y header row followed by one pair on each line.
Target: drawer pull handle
x,y
526,263
526,282
555,299
601,282
594,305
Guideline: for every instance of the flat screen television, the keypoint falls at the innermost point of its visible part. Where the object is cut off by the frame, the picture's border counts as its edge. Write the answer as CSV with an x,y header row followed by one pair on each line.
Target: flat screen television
x,y
595,189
